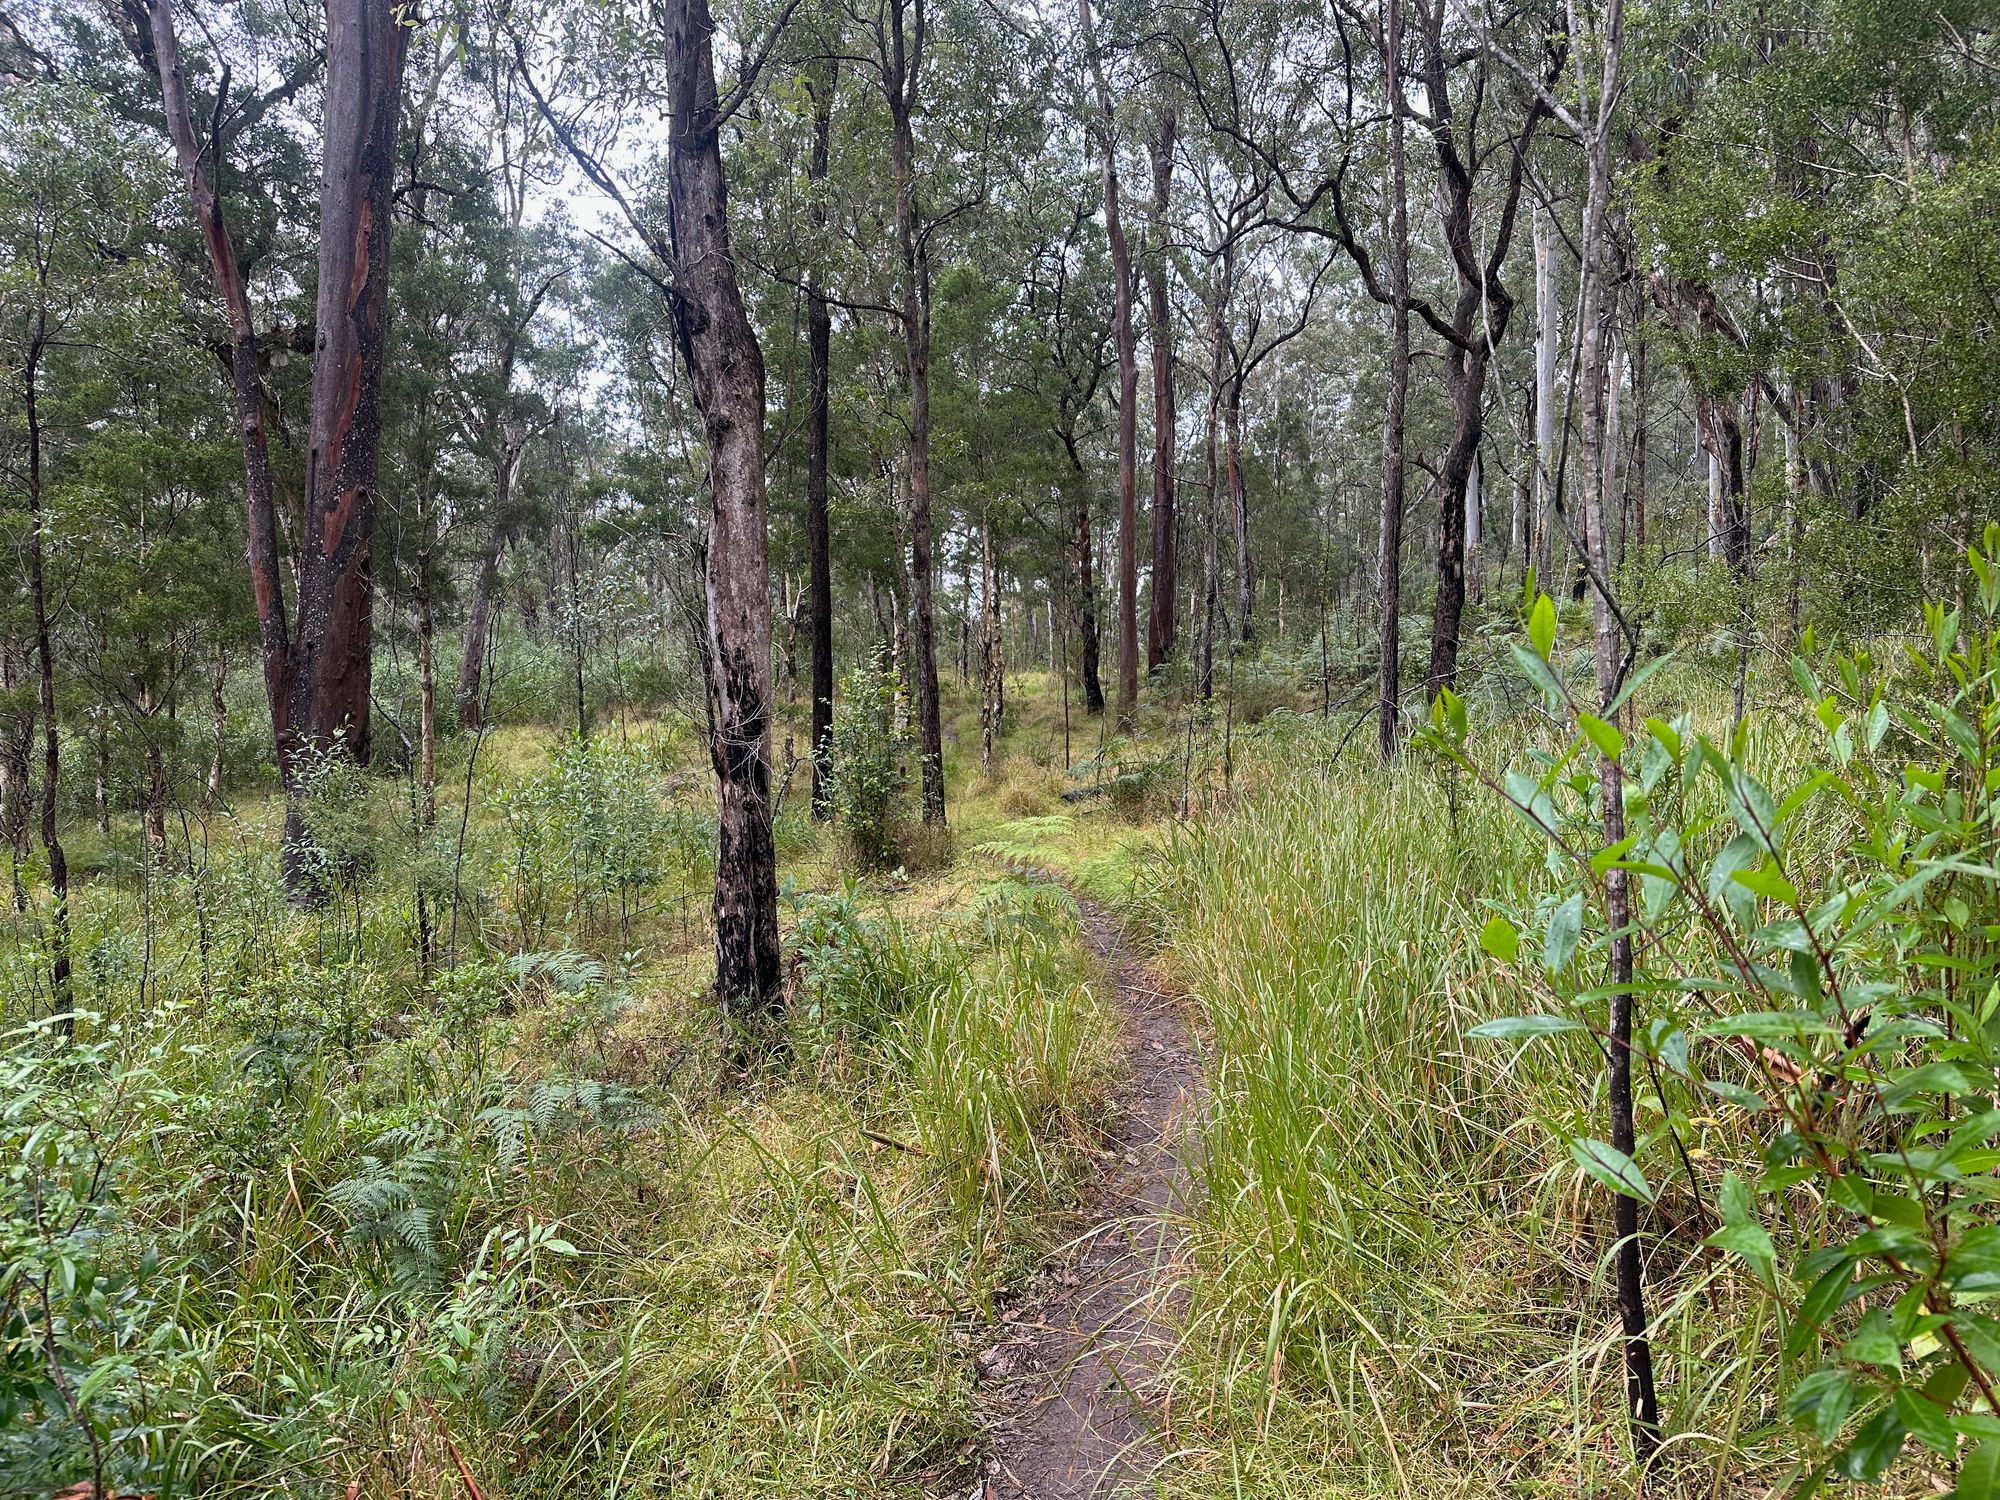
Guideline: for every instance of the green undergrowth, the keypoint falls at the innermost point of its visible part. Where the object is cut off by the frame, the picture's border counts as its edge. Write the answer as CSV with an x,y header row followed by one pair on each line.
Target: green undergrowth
x,y
1402,1282
303,1212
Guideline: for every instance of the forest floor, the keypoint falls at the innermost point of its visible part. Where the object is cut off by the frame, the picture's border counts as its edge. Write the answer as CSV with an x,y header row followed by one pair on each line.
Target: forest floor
x,y
1073,1381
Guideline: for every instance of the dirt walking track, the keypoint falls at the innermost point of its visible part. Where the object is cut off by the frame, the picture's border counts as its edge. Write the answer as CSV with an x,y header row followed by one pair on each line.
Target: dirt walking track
x,y
1071,1383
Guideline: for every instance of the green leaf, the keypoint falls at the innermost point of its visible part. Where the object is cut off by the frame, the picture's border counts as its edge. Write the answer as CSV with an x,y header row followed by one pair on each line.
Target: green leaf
x,y
1538,672
1512,1028
1609,742
1974,1263
1979,1473
1822,1401
1542,626
1612,1167
1665,734
1499,939
1875,1447
1564,932
1874,1342
1930,1422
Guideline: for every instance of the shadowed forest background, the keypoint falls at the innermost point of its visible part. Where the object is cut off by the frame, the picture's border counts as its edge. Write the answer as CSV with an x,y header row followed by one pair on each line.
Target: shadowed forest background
x,y
601,605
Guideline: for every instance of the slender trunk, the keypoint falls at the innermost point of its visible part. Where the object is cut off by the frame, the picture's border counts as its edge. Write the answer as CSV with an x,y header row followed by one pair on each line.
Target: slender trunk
x,y
1211,518
1548,334
478,636
990,705
726,371
426,805
819,340
17,746
332,655
1086,581
900,82
1160,623
1597,270
274,637
154,759
486,582
1795,482
218,729
1239,506
1124,343
1389,553
1640,419
45,664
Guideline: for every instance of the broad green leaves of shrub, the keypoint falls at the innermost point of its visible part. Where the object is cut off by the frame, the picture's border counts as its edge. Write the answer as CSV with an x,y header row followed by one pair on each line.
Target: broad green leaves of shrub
x,y
1817,930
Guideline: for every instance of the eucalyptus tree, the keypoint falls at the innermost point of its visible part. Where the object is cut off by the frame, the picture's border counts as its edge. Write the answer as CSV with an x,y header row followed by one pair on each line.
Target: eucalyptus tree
x,y
318,656
1124,344
684,251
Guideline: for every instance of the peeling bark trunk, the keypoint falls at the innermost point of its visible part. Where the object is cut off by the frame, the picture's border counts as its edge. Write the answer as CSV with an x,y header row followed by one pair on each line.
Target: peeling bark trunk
x,y
726,369
332,654
1161,632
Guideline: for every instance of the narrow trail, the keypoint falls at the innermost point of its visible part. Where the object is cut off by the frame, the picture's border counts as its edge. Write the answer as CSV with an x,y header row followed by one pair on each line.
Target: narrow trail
x,y
1071,1383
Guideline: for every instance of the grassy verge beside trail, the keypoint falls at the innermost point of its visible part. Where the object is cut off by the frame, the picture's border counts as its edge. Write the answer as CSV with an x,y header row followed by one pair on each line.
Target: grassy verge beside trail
x,y
310,1218
1401,1284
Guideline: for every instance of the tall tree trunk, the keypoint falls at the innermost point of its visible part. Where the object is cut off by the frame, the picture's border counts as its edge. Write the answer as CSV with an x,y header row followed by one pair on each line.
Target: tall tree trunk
x,y
1475,522
332,656
1239,505
1204,669
1548,336
726,369
45,665
1597,270
486,582
1124,343
901,78
1389,552
1085,546
218,729
1160,622
822,82
991,705
1641,418
273,631
426,630
17,745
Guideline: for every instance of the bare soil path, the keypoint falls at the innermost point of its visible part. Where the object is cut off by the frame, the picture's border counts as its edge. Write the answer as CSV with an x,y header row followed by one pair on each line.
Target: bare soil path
x,y
1071,1383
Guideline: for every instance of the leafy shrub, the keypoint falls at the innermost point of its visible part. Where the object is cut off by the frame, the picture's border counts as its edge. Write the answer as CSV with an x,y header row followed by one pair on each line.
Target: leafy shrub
x,y
866,781
590,834
1817,996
